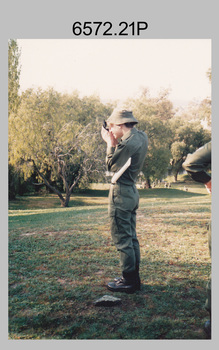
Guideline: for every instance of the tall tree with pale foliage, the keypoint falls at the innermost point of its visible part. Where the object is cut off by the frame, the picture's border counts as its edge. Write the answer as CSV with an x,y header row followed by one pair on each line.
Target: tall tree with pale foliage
x,y
14,70
49,139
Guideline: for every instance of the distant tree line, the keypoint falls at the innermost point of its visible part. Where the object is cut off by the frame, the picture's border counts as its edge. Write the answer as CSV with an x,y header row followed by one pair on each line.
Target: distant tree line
x,y
54,138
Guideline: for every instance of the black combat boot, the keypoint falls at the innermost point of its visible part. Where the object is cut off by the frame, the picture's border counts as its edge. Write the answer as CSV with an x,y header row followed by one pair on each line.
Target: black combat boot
x,y
137,278
127,283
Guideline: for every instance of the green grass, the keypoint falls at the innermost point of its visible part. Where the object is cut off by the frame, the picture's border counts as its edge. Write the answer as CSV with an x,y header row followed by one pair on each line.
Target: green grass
x,y
60,260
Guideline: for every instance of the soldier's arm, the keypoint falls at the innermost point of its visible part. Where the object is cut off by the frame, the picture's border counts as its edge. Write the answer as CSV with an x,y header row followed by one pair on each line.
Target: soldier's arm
x,y
116,157
197,163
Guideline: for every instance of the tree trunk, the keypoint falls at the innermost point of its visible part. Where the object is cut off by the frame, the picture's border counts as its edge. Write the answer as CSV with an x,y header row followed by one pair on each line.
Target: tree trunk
x,y
148,183
65,203
175,177
62,199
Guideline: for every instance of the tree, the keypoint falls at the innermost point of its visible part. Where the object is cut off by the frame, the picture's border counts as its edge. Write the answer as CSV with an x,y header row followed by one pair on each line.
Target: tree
x,y
157,159
14,70
13,104
209,74
190,130
187,137
198,112
153,115
160,106
49,138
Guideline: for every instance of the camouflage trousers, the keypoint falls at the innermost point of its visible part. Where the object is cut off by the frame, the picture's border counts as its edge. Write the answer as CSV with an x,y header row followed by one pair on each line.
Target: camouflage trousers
x,y
123,203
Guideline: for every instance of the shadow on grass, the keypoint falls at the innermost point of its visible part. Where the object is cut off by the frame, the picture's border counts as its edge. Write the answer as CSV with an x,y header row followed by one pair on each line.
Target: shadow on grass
x,y
156,312
55,278
55,219
85,198
93,197
95,193
168,193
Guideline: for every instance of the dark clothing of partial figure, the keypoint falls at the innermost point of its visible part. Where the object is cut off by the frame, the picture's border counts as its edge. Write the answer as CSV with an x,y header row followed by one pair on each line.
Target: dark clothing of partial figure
x,y
196,165
198,162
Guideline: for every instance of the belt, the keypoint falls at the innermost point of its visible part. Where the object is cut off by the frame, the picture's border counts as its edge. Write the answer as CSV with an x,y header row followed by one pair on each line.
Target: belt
x,y
121,183
119,173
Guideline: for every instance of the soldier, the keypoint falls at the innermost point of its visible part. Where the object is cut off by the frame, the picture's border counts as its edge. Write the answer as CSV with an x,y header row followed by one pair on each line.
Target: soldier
x,y
196,165
124,141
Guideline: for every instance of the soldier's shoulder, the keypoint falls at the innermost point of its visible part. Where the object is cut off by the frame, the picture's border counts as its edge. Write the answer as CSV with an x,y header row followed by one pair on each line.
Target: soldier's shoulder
x,y
204,149
142,135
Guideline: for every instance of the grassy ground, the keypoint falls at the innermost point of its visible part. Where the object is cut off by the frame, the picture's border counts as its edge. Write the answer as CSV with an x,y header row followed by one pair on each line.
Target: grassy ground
x,y
60,260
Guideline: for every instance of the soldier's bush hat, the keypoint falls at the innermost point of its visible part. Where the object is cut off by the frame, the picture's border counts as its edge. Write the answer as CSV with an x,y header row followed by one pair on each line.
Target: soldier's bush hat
x,y
121,116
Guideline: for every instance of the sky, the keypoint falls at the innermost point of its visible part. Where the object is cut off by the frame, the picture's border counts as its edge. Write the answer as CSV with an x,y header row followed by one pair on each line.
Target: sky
x,y
118,69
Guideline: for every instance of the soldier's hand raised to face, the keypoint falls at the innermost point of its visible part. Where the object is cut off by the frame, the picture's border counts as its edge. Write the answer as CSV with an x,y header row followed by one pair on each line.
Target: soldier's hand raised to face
x,y
108,137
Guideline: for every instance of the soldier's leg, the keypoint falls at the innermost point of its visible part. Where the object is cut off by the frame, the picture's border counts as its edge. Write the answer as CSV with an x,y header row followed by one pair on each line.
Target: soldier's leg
x,y
122,238
122,203
135,239
120,212
136,247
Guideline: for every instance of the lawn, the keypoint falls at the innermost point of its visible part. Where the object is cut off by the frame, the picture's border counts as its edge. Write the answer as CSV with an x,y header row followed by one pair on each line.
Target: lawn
x,y
60,260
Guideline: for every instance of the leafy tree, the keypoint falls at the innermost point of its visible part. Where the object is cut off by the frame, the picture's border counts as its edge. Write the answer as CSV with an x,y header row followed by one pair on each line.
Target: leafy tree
x,y
187,137
190,130
14,70
209,74
198,112
153,115
160,106
13,104
157,159
54,136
